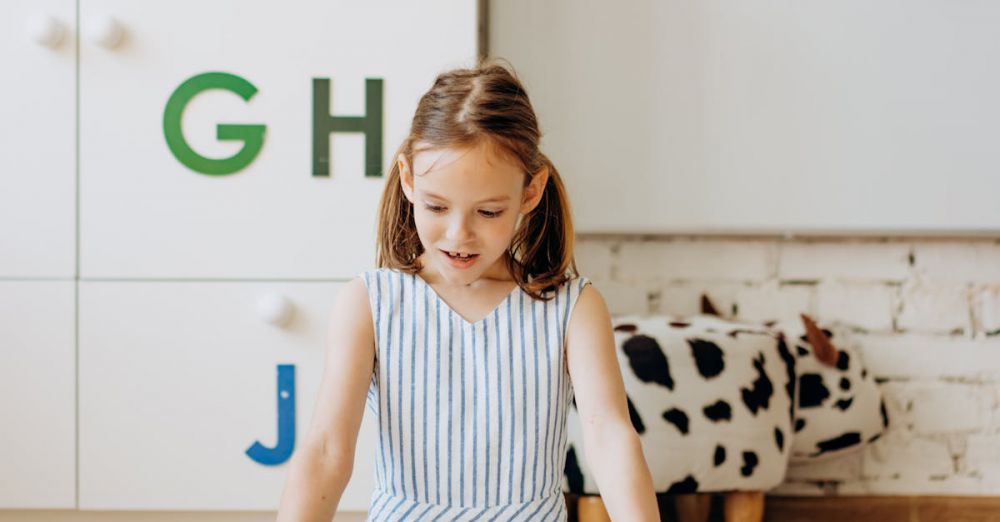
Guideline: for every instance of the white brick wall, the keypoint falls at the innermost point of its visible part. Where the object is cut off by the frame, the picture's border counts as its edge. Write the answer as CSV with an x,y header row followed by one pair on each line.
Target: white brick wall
x,y
986,308
846,261
925,315
687,259
932,307
867,306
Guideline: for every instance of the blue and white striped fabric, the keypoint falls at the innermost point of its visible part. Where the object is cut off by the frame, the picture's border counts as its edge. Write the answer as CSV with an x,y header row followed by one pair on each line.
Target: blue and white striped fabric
x,y
472,416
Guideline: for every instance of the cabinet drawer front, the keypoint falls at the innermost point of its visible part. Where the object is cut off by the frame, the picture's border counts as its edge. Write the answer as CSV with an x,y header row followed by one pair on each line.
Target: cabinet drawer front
x,y
179,380
37,395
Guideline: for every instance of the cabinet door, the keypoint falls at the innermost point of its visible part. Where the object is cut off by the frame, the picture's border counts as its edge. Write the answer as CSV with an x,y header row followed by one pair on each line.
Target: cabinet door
x,y
179,380
37,392
145,213
38,139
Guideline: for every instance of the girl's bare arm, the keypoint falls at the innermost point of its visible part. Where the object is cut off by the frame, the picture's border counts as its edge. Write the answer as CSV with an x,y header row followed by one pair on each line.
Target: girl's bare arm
x,y
612,446
321,467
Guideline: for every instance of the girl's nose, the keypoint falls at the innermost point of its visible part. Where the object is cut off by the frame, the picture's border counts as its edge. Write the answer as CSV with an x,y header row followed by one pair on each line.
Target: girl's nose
x,y
459,229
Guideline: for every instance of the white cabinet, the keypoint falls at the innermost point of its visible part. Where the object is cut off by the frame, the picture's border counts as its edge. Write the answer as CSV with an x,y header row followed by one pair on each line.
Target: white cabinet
x,y
37,395
141,379
144,214
38,139
179,379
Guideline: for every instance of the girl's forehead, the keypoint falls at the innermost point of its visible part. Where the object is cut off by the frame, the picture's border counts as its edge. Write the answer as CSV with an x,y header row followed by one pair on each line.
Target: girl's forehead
x,y
469,166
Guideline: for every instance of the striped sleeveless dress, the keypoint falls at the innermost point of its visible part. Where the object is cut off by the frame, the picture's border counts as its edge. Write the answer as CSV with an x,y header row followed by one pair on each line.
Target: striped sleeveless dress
x,y
471,416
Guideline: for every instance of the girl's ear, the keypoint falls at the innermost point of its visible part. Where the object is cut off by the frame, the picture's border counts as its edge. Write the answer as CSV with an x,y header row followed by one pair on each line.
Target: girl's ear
x,y
534,191
405,176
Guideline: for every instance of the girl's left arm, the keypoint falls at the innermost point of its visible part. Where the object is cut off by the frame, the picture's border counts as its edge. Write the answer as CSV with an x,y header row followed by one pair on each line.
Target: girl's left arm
x,y
611,444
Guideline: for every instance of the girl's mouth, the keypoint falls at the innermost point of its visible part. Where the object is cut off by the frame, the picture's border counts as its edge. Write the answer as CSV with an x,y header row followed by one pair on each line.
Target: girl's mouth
x,y
459,260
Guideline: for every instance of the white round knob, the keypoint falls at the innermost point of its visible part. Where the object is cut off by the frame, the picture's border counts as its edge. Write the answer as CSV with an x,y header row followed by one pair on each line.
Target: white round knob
x,y
45,30
105,31
275,309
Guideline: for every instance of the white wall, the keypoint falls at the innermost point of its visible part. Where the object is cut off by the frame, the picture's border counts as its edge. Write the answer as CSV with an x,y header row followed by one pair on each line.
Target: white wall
x,y
715,116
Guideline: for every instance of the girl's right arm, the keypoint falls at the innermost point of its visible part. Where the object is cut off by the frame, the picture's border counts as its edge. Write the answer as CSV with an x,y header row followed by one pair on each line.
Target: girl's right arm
x,y
321,467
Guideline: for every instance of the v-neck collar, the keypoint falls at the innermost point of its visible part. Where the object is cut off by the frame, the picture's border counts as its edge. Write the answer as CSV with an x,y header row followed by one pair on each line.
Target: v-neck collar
x,y
465,321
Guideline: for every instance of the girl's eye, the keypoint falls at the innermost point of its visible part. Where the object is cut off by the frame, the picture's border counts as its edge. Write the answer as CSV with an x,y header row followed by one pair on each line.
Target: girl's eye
x,y
486,213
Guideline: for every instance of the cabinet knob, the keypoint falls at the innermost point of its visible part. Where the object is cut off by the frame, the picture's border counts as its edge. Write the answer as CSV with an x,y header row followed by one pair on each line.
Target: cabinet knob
x,y
45,30
275,309
105,31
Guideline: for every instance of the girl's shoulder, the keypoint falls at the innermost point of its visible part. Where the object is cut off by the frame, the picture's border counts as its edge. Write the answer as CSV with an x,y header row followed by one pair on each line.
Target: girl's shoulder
x,y
378,279
370,273
575,284
571,288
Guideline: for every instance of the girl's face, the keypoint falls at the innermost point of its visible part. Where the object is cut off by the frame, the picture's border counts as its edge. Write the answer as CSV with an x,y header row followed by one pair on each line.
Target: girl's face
x,y
467,201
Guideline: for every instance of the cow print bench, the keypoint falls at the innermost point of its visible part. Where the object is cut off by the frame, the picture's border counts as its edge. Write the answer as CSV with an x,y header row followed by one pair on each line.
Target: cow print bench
x,y
722,407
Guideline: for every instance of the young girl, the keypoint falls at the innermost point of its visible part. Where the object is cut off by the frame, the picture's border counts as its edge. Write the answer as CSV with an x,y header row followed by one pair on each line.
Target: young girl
x,y
473,336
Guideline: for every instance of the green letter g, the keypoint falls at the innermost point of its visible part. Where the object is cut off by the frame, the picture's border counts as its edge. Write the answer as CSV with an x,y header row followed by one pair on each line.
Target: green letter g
x,y
252,136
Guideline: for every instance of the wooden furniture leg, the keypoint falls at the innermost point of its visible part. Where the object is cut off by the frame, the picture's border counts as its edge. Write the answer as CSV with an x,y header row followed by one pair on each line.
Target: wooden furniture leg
x,y
590,508
744,506
693,508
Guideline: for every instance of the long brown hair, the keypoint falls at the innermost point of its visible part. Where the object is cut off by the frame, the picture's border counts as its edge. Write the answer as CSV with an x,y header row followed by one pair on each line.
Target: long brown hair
x,y
463,108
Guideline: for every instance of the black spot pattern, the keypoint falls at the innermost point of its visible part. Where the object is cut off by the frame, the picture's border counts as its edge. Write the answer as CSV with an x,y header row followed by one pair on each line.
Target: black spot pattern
x,y
719,411
790,371
799,424
720,456
633,415
626,328
779,439
843,361
801,350
885,414
760,395
708,356
688,485
737,331
812,392
749,463
679,324
648,361
678,418
845,383
844,441
843,404
574,476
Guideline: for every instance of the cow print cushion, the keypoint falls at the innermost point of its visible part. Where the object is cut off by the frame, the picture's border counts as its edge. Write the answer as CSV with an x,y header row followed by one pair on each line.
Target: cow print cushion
x,y
840,409
711,401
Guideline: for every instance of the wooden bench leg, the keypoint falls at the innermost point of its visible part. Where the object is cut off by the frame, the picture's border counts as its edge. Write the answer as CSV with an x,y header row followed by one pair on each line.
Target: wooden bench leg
x,y
693,508
744,506
590,508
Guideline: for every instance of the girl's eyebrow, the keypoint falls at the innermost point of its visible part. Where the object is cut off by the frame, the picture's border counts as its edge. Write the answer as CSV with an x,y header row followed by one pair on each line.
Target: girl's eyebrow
x,y
487,200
